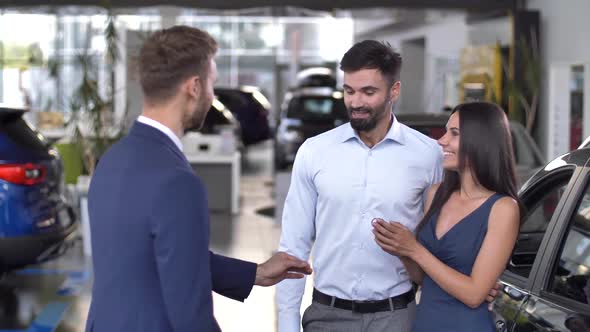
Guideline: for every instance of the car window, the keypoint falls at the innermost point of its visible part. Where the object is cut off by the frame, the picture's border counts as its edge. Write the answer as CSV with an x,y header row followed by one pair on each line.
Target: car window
x,y
540,209
571,273
316,108
15,129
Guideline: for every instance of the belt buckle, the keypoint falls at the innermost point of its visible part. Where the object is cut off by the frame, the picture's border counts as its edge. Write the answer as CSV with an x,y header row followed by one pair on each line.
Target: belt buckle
x,y
358,307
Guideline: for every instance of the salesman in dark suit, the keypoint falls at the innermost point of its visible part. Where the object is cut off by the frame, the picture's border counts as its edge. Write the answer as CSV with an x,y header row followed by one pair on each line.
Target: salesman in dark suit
x,y
149,220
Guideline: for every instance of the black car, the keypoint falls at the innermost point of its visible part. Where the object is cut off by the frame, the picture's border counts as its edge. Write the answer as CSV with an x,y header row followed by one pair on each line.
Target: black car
x,y
546,286
527,155
306,112
251,109
218,118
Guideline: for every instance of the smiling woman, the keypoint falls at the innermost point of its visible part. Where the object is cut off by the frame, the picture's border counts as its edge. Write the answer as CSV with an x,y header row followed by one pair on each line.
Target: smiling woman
x,y
470,225
450,143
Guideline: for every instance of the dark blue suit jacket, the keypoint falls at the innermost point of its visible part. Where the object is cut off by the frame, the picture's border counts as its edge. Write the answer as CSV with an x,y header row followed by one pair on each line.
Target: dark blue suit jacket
x,y
149,222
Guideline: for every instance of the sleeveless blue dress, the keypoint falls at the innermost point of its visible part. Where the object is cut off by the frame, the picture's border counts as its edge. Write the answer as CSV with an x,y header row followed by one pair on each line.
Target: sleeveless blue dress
x,y
458,248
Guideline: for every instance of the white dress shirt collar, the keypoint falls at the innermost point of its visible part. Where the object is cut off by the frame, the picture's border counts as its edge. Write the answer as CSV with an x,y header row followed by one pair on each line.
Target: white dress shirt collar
x,y
394,133
153,123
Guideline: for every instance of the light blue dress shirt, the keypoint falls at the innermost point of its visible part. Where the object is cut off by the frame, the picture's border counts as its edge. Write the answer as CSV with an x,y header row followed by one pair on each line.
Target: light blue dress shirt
x,y
338,186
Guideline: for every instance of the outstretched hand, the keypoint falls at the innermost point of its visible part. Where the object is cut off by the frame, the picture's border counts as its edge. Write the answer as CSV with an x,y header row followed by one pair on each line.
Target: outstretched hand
x,y
279,267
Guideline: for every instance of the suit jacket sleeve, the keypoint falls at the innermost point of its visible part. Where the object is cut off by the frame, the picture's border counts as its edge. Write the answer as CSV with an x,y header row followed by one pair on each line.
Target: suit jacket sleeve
x,y
180,231
231,277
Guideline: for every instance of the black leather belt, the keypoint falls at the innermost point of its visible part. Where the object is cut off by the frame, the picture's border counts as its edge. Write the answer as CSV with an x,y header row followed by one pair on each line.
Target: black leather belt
x,y
365,307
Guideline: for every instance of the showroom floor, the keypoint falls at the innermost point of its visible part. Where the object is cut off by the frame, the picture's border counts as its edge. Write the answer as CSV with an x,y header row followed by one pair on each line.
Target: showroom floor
x,y
55,296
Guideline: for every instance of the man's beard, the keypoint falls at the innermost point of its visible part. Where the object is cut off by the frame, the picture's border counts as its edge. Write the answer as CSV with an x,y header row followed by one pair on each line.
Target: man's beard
x,y
195,121
372,120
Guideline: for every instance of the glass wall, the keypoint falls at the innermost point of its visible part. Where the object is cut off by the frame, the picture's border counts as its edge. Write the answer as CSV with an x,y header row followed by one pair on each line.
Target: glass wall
x,y
40,53
40,65
268,51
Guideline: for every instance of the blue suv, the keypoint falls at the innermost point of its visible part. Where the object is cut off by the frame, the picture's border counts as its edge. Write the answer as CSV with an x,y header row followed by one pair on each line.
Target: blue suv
x,y
36,223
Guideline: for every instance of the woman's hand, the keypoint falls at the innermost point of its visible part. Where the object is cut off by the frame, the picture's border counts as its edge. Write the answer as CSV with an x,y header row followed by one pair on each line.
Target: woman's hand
x,y
394,238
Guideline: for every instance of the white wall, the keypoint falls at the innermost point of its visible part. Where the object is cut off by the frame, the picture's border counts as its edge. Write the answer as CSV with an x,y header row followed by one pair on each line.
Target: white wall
x,y
564,41
443,40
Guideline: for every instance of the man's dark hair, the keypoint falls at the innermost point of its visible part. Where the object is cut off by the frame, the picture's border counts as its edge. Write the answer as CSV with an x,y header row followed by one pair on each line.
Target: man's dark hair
x,y
170,56
371,54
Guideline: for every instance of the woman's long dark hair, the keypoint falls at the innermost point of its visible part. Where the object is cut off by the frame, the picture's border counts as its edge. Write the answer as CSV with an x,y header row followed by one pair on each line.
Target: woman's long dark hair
x,y
485,149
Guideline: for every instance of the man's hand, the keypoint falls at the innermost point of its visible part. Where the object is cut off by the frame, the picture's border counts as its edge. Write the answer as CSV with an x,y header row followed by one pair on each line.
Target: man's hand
x,y
492,295
279,267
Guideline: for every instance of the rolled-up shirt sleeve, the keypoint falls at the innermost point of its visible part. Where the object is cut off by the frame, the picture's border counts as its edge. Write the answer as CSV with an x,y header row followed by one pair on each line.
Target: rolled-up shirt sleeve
x,y
437,172
436,175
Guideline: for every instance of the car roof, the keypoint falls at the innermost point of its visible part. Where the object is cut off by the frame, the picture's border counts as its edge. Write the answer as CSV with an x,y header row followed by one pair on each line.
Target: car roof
x,y
10,113
241,88
585,144
9,108
314,91
575,158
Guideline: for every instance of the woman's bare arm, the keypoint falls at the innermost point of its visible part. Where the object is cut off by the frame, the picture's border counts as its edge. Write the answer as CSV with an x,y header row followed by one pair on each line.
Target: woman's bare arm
x,y
490,262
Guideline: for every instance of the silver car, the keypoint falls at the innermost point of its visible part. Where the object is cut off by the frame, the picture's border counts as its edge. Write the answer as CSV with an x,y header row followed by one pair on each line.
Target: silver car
x,y
306,112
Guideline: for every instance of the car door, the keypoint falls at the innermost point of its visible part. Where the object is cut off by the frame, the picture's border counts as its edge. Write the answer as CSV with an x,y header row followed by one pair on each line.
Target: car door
x,y
560,299
543,202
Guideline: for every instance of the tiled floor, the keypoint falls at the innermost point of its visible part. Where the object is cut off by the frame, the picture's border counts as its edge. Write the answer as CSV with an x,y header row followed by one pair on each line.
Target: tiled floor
x,y
57,294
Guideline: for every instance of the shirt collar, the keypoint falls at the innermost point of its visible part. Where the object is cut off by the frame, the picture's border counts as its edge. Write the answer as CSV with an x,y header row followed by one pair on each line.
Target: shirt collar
x,y
394,133
153,123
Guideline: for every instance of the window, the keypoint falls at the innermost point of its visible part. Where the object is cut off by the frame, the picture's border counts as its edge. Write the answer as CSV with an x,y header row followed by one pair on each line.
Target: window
x,y
17,131
540,210
572,271
317,108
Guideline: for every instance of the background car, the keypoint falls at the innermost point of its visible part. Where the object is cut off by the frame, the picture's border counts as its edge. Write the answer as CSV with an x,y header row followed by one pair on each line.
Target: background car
x,y
251,108
526,152
316,77
36,223
306,112
217,120
546,286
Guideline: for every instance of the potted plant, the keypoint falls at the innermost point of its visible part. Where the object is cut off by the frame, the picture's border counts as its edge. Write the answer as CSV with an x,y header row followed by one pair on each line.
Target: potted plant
x,y
92,123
